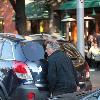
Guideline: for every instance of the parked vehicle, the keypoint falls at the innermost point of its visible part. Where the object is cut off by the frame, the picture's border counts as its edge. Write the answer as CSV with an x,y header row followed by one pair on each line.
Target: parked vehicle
x,y
22,69
78,60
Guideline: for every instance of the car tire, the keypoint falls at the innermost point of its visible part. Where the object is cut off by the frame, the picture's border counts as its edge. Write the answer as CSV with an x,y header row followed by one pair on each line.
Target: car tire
x,y
2,97
88,85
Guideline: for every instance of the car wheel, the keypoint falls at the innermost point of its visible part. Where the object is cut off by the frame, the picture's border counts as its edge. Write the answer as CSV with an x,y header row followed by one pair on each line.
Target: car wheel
x,y
2,97
88,85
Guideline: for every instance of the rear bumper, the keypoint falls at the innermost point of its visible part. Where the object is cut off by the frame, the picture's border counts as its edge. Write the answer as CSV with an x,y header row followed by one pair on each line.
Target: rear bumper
x,y
22,91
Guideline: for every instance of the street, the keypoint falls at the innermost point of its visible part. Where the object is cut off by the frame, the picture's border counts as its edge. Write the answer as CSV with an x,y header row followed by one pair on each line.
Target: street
x,y
95,78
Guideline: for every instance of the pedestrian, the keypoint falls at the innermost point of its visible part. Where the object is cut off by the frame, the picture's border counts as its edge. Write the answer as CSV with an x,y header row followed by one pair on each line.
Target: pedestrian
x,y
90,41
94,55
62,76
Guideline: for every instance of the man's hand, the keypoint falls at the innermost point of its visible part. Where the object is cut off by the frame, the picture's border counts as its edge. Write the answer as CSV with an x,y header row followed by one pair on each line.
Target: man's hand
x,y
78,89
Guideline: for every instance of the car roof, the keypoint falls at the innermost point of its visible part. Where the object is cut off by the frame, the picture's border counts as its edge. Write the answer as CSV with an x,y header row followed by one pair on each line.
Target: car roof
x,y
11,36
44,37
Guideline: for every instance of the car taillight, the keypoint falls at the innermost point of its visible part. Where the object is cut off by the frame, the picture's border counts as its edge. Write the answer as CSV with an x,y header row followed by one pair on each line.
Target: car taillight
x,y
87,69
21,70
31,96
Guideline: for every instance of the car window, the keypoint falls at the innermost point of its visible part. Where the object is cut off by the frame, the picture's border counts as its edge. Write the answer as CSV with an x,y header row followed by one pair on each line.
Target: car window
x,y
18,53
1,44
72,52
7,51
69,50
33,51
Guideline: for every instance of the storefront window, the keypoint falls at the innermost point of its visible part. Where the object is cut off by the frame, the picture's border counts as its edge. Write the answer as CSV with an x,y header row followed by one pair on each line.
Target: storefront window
x,y
41,27
1,25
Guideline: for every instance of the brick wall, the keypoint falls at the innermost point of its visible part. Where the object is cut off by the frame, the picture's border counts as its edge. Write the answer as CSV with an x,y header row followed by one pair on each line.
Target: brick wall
x,y
6,11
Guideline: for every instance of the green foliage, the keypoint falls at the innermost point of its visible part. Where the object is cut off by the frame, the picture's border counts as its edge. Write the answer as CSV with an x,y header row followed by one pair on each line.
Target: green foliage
x,y
37,10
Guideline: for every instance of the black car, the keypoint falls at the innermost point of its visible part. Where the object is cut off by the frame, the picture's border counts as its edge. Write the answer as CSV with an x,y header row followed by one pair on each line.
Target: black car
x,y
78,60
23,69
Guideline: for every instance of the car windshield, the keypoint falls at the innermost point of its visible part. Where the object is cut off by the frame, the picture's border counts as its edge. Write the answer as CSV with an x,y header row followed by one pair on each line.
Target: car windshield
x,y
69,49
72,52
33,51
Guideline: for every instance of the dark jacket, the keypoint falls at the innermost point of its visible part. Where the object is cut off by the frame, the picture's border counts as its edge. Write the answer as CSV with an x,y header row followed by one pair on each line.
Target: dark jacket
x,y
62,76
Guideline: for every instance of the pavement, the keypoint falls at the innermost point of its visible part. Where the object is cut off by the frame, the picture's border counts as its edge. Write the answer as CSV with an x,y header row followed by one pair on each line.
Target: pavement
x,y
95,78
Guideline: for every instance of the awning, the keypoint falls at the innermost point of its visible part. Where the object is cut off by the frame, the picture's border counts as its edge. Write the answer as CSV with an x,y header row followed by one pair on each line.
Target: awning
x,y
68,5
34,10
73,4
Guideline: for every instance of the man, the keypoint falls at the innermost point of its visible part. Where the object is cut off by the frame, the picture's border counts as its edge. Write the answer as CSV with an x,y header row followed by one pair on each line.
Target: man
x,y
62,76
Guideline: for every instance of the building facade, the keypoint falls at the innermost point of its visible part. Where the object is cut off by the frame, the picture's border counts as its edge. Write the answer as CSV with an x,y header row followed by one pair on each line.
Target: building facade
x,y
7,24
91,18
